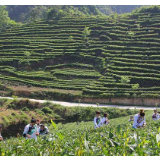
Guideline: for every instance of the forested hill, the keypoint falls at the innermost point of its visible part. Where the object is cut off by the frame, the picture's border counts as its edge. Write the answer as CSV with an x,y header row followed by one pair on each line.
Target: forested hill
x,y
27,13
110,9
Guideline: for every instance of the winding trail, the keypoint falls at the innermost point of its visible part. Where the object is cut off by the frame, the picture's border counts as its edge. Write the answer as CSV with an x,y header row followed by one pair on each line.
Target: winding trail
x,y
73,104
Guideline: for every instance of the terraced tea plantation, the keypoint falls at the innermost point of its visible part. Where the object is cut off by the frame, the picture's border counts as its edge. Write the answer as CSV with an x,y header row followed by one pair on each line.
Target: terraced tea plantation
x,y
80,139
90,55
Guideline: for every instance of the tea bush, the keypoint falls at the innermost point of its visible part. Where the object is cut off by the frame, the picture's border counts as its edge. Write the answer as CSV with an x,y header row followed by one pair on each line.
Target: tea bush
x,y
116,47
81,139
46,110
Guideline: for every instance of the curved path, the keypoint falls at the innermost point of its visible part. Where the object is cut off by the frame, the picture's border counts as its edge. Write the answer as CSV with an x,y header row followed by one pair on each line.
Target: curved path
x,y
72,104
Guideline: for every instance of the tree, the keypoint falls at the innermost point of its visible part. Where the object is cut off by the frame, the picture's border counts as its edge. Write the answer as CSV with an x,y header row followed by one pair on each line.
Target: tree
x,y
131,34
51,13
135,86
27,54
125,79
60,14
115,17
36,13
5,21
85,33
56,12
26,58
70,38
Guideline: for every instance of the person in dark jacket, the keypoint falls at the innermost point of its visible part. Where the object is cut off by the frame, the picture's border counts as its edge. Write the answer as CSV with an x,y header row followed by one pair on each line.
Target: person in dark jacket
x,y
43,129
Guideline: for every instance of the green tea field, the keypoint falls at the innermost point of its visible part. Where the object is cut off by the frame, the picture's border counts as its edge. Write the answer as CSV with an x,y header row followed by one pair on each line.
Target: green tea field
x,y
81,139
85,57
79,56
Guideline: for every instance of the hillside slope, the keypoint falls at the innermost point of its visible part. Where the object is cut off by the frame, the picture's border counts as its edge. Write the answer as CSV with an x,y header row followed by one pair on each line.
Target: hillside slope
x,y
96,56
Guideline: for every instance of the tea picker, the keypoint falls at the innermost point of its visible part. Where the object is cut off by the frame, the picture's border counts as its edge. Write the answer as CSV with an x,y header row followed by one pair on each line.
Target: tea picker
x,y
30,130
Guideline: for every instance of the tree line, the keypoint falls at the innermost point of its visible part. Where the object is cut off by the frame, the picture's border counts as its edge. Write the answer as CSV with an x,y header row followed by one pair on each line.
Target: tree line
x,y
14,15
29,13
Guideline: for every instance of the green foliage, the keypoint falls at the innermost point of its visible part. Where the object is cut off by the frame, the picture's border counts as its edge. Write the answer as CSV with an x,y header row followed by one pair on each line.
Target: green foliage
x,y
135,86
150,9
70,38
53,124
5,21
36,13
43,54
125,79
26,59
85,33
46,110
28,13
81,139
54,13
25,109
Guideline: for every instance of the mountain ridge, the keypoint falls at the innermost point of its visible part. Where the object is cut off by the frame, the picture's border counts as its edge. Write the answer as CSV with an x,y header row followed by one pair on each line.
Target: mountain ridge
x,y
26,13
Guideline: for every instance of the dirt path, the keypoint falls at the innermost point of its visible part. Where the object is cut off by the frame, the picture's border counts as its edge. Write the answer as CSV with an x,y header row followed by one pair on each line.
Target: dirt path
x,y
72,104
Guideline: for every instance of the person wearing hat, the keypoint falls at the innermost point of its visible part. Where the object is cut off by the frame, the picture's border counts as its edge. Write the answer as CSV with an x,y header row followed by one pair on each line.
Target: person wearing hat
x,y
1,138
97,120
30,130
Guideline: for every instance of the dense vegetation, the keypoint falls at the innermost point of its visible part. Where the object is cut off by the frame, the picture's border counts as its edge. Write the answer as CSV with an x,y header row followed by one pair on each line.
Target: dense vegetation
x,y
72,53
82,57
28,13
81,139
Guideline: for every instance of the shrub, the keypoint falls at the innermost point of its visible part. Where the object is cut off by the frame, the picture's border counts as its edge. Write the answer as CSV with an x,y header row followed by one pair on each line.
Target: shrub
x,y
151,9
39,112
47,110
25,109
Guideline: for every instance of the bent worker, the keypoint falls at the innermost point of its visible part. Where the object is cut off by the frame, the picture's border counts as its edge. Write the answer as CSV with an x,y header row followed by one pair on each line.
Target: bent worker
x,y
139,119
43,129
30,130
155,115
